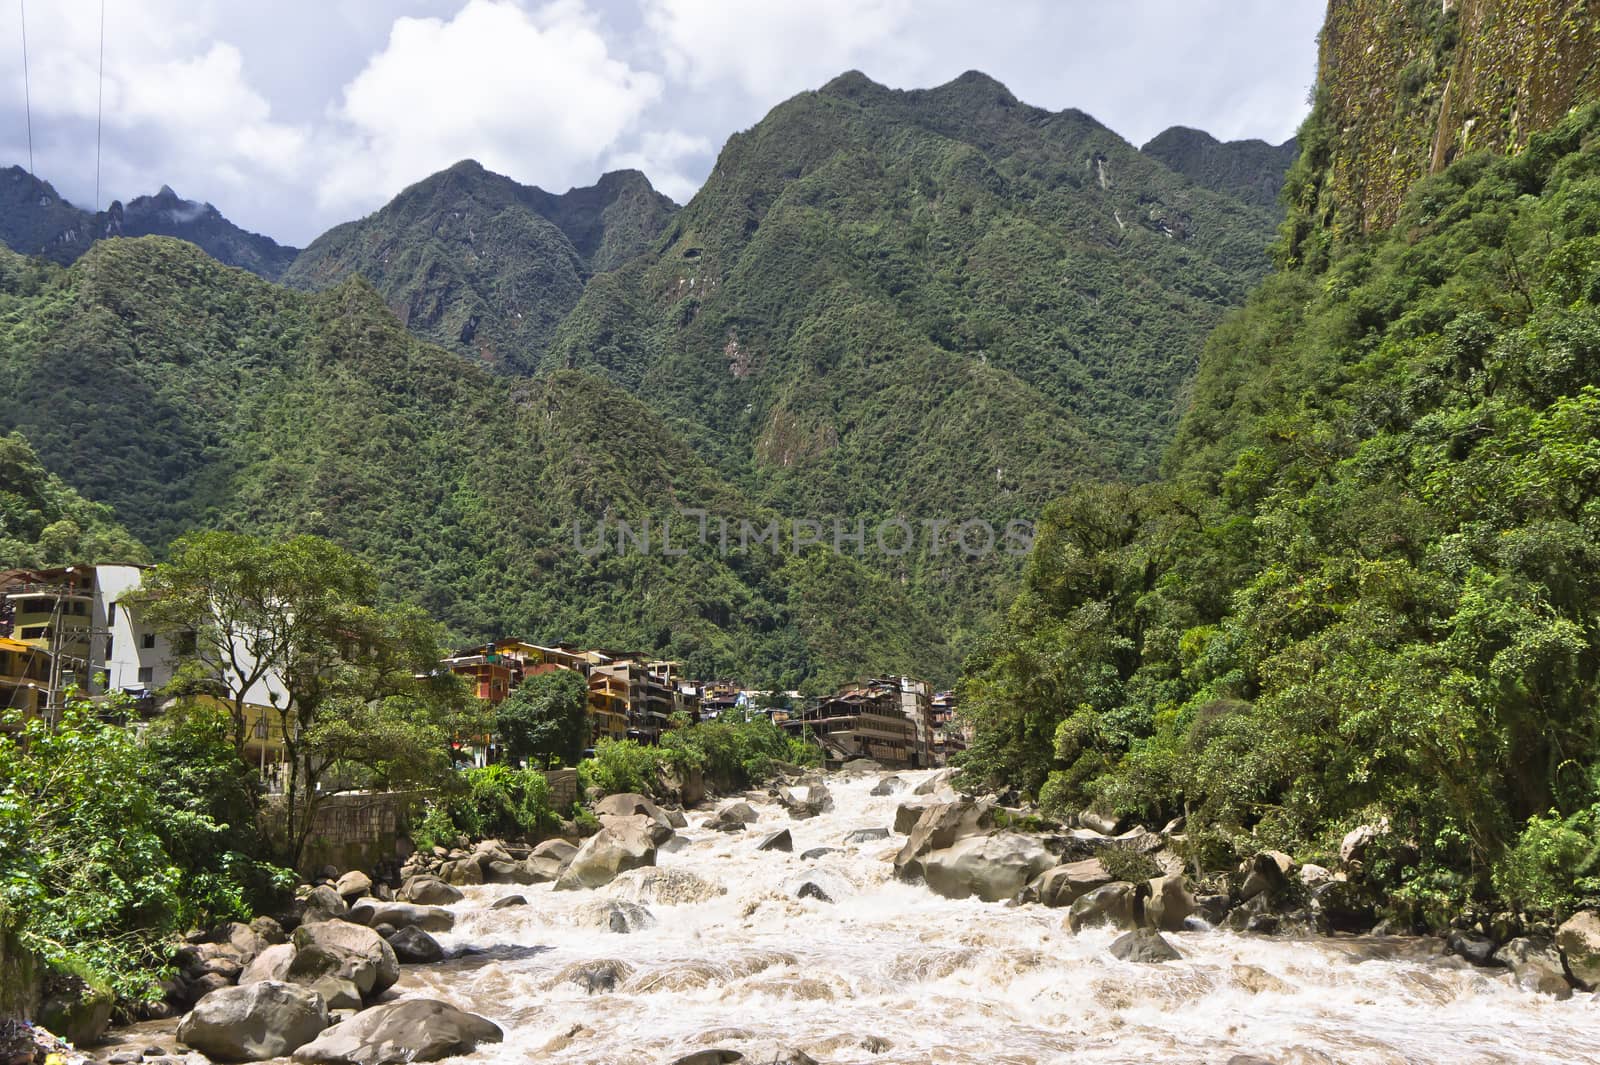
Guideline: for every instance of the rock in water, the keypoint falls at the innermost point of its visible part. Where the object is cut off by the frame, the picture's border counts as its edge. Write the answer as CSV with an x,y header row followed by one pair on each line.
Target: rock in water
x,y
1536,966
415,947
623,845
1144,945
1115,904
866,835
428,891
323,904
1579,942
271,964
887,786
398,1032
402,915
349,951
1169,904
353,885
262,1020
1063,885
991,867
780,840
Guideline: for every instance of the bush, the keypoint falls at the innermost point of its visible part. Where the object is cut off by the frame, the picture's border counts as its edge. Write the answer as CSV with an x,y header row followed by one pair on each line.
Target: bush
x,y
1554,867
622,766
1128,865
110,846
496,801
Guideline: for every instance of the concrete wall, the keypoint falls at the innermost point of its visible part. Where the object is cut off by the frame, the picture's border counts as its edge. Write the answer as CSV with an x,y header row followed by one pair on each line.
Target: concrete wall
x,y
563,788
354,830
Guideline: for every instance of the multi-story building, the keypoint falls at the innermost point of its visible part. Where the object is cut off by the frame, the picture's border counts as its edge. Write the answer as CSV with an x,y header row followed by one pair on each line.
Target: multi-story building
x,y
866,721
948,735
24,677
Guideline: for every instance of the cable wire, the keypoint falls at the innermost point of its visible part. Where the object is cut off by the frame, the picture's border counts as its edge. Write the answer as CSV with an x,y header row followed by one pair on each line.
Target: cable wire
x,y
27,90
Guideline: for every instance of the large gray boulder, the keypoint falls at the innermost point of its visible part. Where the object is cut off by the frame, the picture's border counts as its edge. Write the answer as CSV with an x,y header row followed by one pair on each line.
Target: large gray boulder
x,y
732,817
412,1030
349,951
1063,885
254,1022
1168,904
428,891
323,904
637,811
889,785
462,872
940,826
1266,872
814,801
1535,965
1117,904
992,867
549,860
625,844
271,964
1578,939
402,915
353,885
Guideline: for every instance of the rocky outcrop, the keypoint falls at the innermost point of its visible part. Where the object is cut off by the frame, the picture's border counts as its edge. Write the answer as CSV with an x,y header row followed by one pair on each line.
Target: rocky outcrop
x,y
271,964
398,1032
549,860
1535,965
254,1022
992,867
1266,872
626,845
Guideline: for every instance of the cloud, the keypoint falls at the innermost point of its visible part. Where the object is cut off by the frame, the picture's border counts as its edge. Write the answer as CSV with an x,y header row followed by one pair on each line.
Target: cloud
x,y
537,94
666,158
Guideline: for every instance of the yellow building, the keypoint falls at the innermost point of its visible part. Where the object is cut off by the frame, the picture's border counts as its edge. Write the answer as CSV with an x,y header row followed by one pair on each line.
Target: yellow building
x,y
24,676
609,702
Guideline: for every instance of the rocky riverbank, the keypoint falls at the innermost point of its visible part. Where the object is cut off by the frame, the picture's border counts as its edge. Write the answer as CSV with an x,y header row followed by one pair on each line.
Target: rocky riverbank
x,y
834,914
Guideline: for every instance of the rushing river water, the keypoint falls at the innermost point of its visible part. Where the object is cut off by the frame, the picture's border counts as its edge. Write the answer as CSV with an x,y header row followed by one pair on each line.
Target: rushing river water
x,y
891,973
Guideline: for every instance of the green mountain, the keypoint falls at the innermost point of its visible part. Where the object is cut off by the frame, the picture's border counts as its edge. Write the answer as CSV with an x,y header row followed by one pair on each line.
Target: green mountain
x,y
1366,591
941,304
1250,170
45,523
473,261
34,220
187,395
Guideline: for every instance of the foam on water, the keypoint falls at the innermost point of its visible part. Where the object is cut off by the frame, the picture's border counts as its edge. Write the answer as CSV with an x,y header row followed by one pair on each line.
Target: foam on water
x,y
889,973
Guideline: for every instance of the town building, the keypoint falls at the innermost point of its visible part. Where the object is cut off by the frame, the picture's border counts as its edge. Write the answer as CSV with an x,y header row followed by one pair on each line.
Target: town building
x,y
865,721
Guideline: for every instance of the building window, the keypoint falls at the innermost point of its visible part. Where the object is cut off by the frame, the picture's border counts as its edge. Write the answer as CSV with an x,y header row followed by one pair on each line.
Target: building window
x,y
111,614
149,641
147,674
186,643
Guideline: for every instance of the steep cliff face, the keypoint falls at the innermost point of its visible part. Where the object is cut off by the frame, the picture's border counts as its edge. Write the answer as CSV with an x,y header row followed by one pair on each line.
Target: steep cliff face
x,y
1407,86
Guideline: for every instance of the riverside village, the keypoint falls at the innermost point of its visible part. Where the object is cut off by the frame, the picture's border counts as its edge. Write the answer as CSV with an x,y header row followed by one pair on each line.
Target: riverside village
x,y
849,532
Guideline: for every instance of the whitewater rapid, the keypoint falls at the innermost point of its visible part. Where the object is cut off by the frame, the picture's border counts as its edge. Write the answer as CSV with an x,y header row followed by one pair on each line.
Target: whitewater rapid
x,y
891,973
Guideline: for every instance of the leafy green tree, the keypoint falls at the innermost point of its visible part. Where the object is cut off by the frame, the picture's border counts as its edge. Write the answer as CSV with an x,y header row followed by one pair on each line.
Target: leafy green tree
x,y
546,718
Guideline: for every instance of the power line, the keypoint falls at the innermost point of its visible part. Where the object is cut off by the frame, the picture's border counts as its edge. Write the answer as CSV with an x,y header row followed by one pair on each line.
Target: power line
x,y
99,106
27,91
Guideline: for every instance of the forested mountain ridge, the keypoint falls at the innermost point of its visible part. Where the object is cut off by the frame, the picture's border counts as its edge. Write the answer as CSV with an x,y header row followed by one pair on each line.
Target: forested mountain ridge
x,y
188,395
35,220
1249,170
474,261
1365,592
43,522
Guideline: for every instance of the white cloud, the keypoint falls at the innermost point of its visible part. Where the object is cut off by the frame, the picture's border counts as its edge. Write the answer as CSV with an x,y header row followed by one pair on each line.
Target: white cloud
x,y
534,94
664,157
774,48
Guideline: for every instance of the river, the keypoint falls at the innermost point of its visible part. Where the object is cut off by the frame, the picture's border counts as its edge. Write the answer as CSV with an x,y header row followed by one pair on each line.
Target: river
x,y
890,973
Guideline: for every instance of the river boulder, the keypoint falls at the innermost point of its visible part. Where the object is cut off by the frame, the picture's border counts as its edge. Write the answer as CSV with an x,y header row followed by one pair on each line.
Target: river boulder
x,y
353,885
549,859
1535,965
636,810
1105,824
993,867
323,904
1578,939
939,827
907,813
626,844
350,951
415,1029
413,946
1266,872
1117,904
403,915
866,835
1144,945
780,840
428,891
1169,903
889,785
814,801
254,1022
271,964
462,872
936,782
1062,885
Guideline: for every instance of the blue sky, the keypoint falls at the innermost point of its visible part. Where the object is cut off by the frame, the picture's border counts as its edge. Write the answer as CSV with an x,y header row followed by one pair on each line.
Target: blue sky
x,y
295,115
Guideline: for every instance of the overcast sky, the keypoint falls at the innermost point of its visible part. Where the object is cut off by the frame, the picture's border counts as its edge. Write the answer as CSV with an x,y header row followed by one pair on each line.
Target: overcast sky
x,y
293,115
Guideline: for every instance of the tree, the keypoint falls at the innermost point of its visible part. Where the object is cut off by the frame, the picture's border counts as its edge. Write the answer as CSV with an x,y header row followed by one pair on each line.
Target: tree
x,y
546,718
303,615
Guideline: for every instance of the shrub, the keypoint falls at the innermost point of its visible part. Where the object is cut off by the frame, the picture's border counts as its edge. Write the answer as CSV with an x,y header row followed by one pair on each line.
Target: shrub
x,y
1555,865
494,801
